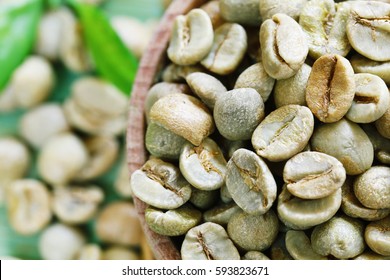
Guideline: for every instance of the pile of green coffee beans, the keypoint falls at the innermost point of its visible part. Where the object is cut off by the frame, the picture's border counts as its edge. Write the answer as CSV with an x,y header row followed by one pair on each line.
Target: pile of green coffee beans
x,y
51,170
269,133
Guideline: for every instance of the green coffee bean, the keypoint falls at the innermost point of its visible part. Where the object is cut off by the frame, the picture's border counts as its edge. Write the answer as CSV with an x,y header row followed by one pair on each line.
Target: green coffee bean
x,y
352,207
341,237
163,143
238,112
312,175
377,236
250,182
330,88
368,29
283,46
301,214
324,24
208,241
253,232
292,90
347,142
160,184
206,87
191,39
228,49
283,133
255,77
372,188
203,166
184,115
371,100
172,222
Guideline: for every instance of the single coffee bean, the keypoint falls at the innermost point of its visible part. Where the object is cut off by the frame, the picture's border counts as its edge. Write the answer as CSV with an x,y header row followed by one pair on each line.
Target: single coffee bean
x,y
330,88
255,77
372,188
372,99
203,166
283,133
228,49
238,112
292,8
221,214
377,236
28,206
206,87
250,182
368,29
299,246
347,142
301,214
243,12
208,241
352,207
292,90
312,175
184,115
362,64
172,222
160,184
254,255
160,90
283,46
253,232
163,143
340,237
75,204
324,23
191,39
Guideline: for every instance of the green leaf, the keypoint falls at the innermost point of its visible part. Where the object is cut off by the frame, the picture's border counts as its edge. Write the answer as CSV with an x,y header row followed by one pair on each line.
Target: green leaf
x,y
113,60
18,24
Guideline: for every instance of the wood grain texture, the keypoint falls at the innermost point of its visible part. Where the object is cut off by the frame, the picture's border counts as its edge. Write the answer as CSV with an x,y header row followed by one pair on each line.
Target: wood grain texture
x,y
162,246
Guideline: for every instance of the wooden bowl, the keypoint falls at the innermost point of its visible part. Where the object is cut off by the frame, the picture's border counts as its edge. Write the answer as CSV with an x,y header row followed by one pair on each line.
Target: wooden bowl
x,y
150,65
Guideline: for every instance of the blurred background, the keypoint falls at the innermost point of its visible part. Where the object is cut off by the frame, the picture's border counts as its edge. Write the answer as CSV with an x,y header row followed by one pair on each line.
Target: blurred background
x,y
64,190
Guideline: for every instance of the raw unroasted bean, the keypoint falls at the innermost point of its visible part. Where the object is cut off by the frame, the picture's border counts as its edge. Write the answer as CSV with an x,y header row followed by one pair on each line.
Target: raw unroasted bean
x,y
330,88
228,49
301,214
160,184
191,39
184,115
368,29
208,241
283,133
283,46
372,99
312,175
250,183
324,24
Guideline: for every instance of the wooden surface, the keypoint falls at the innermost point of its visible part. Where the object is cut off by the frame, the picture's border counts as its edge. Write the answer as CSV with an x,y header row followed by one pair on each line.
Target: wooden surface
x,y
162,246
